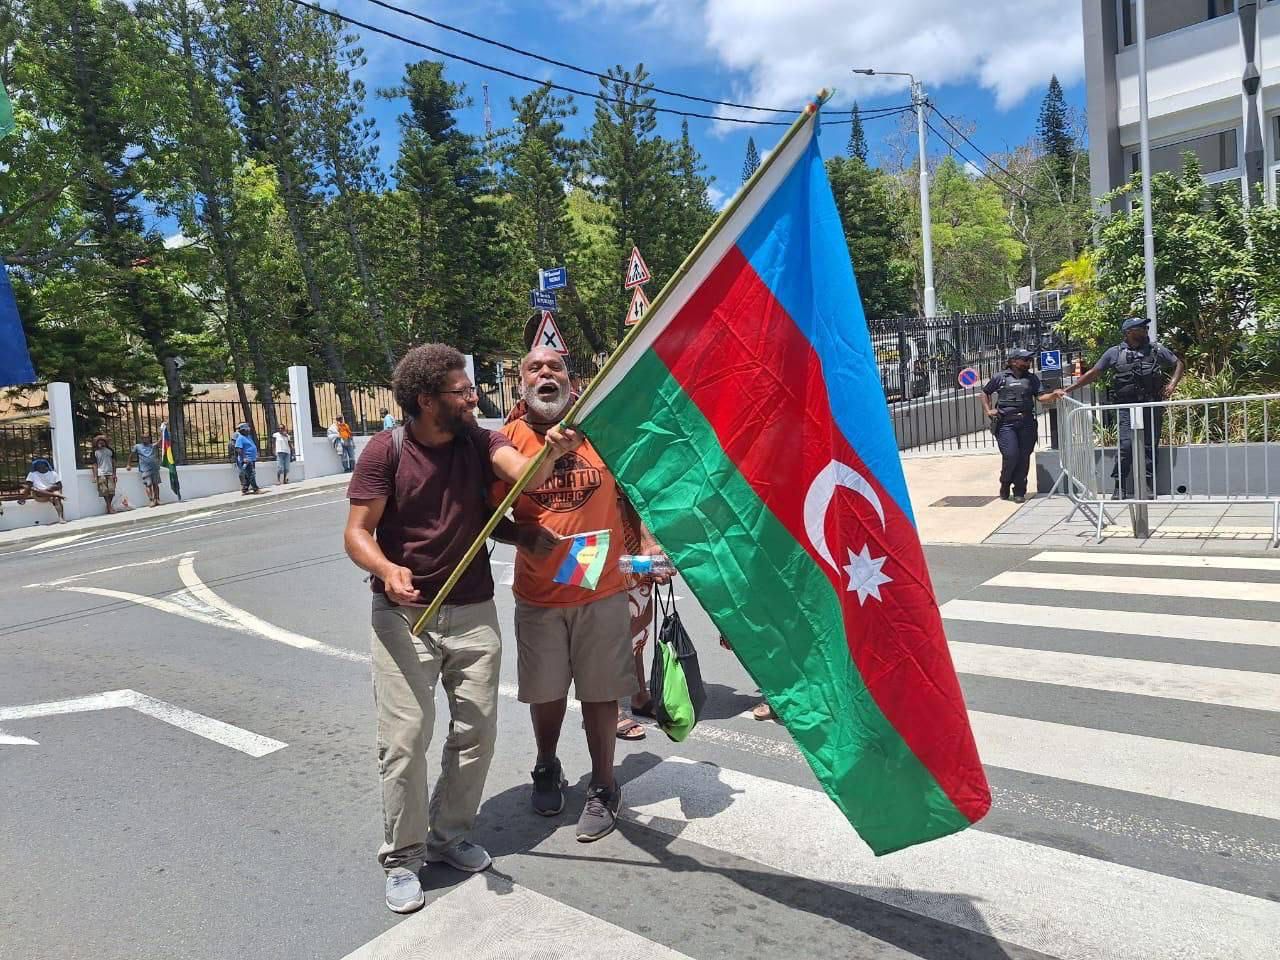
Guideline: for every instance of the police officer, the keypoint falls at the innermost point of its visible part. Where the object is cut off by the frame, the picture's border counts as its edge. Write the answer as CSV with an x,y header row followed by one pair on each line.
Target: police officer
x,y
1013,420
1137,376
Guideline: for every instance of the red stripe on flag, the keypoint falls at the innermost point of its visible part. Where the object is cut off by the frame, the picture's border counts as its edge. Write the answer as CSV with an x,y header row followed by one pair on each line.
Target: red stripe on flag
x,y
759,383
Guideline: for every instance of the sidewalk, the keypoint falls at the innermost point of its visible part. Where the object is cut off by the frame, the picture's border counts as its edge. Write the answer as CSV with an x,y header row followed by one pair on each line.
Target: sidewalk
x,y
955,498
75,529
1184,527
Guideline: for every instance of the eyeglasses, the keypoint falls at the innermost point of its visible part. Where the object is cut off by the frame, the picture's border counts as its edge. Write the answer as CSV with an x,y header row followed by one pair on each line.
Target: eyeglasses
x,y
464,392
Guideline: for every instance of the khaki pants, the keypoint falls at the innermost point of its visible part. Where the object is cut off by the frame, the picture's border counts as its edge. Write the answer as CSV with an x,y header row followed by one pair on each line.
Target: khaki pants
x,y
462,648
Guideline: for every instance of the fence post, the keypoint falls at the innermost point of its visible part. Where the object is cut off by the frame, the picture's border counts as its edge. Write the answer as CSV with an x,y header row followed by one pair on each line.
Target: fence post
x,y
300,401
63,436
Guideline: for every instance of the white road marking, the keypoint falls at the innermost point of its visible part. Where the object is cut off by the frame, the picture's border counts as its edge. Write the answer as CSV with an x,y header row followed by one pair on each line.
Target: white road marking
x,y
1204,561
187,573
120,566
493,919
1189,772
55,542
237,738
1062,904
194,516
1146,586
1175,681
9,740
1263,633
139,536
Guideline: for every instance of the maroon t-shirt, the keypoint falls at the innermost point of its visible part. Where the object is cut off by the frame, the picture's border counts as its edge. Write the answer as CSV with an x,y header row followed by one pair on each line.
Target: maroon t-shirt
x,y
437,503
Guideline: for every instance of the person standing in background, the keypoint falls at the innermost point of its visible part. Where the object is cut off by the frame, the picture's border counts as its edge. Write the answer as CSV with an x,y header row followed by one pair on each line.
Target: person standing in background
x,y
283,448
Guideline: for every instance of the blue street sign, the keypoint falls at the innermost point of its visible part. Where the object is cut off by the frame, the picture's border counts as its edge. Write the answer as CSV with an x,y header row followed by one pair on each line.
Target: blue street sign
x,y
1051,361
542,300
553,278
967,377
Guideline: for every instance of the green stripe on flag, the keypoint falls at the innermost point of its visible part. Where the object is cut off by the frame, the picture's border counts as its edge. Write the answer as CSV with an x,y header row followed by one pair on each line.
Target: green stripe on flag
x,y
771,600
6,113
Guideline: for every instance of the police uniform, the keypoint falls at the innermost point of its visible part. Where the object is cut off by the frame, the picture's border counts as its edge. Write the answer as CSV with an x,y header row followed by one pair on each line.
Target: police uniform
x,y
1138,376
1015,424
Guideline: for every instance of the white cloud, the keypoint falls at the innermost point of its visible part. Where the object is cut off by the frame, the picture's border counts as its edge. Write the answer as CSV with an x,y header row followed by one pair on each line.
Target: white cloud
x,y
716,197
788,51
972,170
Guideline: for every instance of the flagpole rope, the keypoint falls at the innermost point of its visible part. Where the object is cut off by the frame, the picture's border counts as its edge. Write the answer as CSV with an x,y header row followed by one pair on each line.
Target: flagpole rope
x,y
808,115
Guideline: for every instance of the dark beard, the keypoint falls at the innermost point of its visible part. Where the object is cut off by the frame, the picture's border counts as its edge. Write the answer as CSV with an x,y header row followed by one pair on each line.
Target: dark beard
x,y
456,423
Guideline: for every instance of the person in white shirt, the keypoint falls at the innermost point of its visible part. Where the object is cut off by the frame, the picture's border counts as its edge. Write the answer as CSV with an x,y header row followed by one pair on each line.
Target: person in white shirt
x,y
44,486
284,454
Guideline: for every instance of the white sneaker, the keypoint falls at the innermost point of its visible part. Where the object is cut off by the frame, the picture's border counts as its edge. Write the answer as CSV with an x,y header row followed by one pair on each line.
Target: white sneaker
x,y
404,891
462,855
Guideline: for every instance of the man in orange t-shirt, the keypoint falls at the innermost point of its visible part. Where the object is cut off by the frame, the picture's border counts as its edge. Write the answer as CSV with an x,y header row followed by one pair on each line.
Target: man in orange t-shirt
x,y
566,632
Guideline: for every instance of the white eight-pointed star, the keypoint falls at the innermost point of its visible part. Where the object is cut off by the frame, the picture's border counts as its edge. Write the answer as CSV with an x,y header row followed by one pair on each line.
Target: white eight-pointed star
x,y
866,575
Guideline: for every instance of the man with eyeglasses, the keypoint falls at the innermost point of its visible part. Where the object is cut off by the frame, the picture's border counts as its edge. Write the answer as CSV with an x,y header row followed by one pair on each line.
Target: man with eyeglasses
x,y
419,498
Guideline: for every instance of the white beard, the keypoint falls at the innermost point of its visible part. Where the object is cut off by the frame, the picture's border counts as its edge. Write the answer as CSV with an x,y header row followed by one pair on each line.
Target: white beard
x,y
546,408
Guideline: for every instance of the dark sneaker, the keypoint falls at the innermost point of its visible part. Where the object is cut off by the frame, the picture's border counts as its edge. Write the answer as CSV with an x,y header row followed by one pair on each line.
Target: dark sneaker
x,y
1004,493
548,788
1019,498
600,814
463,855
404,891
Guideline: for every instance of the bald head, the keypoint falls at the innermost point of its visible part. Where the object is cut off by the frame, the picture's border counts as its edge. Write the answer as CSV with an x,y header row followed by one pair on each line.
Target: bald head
x,y
545,380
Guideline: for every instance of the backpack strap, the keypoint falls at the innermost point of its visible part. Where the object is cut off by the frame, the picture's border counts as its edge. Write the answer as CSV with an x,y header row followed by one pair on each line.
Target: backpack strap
x,y
397,444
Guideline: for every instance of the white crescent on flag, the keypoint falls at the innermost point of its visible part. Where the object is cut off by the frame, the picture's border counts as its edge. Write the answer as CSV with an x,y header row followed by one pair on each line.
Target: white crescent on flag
x,y
865,571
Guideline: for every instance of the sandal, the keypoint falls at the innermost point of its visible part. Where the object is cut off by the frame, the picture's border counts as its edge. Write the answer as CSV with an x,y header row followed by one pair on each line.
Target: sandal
x,y
762,711
628,729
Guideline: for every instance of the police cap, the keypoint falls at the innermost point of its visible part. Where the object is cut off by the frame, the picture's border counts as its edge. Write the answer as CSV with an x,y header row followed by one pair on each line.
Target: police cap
x,y
1133,323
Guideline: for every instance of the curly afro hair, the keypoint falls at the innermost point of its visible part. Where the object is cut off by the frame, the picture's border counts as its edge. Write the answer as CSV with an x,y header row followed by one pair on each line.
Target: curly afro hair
x,y
424,369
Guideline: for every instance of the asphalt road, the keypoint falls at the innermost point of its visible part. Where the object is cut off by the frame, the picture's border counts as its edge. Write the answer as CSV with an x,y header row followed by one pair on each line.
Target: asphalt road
x,y
227,807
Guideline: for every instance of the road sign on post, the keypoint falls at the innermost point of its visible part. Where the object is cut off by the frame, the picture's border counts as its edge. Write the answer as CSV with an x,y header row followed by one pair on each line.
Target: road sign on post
x,y
968,377
639,304
637,271
1051,361
548,335
542,300
553,278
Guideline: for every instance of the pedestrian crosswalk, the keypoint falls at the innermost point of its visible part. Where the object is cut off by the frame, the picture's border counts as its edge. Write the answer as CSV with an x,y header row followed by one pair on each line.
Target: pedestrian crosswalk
x,y
1145,767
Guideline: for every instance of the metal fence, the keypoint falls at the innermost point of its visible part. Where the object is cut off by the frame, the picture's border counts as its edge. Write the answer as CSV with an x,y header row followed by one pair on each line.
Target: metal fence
x,y
368,400
1204,451
203,434
921,359
19,445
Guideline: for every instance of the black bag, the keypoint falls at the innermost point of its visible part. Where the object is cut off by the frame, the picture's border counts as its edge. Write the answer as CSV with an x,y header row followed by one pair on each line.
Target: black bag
x,y
675,680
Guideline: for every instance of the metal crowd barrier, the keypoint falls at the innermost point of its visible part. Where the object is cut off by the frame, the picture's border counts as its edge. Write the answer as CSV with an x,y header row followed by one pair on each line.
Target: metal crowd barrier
x,y
1208,451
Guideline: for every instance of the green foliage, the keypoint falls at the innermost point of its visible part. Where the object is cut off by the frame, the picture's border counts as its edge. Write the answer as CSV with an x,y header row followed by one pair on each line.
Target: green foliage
x,y
857,146
870,213
751,163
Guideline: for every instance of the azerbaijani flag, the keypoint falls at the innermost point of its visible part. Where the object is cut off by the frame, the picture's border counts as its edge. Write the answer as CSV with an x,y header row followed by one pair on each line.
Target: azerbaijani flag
x,y
586,559
746,421
168,459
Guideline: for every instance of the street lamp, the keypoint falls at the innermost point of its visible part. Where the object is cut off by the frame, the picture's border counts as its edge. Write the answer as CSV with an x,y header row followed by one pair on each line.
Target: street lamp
x,y
926,222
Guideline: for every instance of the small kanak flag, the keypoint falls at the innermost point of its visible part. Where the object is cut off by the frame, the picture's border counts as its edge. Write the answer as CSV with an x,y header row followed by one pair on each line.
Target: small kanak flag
x,y
585,562
745,419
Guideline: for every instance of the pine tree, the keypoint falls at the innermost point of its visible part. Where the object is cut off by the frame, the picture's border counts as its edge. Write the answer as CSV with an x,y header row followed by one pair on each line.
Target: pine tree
x,y
752,162
857,136
1053,130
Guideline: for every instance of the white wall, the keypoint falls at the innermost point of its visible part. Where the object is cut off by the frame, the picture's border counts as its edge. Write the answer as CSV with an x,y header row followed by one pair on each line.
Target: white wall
x,y
1193,76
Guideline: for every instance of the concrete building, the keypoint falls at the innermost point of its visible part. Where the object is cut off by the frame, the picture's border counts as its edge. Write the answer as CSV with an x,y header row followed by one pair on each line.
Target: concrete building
x,y
1213,76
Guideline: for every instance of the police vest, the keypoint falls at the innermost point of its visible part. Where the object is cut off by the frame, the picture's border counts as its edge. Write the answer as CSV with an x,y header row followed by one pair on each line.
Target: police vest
x,y
1015,395
1136,377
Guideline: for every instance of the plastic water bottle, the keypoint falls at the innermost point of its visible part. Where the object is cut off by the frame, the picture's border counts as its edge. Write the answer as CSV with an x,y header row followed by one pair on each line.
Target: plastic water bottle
x,y
656,566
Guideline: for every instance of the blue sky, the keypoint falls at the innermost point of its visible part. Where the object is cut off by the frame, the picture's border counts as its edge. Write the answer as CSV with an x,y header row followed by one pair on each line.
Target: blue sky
x,y
986,60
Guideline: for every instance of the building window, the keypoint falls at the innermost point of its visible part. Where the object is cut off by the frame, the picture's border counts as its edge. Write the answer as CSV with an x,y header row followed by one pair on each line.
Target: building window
x,y
1166,16
1216,152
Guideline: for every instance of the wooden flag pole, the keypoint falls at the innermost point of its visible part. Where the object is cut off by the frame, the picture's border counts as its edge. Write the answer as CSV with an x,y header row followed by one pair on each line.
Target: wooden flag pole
x,y
806,116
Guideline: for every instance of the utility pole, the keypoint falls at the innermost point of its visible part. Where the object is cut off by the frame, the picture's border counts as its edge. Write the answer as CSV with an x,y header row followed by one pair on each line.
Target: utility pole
x,y
1144,150
920,103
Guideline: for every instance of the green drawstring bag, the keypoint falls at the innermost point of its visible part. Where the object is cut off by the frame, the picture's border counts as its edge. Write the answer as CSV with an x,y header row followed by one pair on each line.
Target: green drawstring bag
x,y
675,680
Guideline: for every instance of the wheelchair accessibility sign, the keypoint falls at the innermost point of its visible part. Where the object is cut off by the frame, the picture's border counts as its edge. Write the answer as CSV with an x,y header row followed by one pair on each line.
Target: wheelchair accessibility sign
x,y
1051,361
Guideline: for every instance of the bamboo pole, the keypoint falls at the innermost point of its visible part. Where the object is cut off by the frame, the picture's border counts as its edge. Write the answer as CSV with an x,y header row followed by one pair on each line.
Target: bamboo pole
x,y
809,114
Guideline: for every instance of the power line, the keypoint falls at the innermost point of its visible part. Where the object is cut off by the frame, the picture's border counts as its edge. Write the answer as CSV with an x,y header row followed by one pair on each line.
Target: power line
x,y
1022,183
569,66
333,14
966,159
391,34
